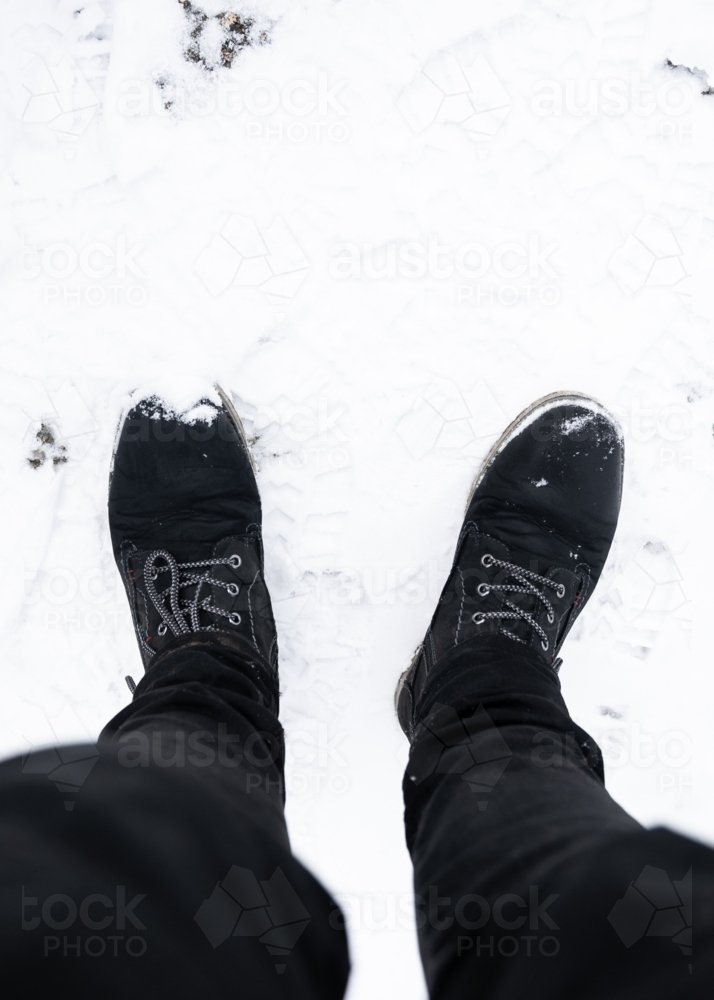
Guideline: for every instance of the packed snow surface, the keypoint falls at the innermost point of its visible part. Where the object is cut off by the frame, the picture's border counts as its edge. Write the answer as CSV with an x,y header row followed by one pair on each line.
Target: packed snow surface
x,y
384,229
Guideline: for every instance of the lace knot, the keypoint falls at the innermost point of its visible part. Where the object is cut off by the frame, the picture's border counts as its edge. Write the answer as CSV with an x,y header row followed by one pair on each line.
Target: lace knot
x,y
182,615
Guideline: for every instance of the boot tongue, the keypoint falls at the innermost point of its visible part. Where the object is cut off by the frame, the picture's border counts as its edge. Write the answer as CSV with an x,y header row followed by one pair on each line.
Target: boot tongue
x,y
532,542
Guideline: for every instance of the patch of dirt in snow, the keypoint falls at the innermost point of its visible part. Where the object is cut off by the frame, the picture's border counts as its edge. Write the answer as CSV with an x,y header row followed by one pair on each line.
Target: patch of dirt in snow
x,y
48,447
215,39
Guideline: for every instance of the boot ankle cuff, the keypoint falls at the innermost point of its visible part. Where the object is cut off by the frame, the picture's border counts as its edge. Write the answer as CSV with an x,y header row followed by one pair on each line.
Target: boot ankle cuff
x,y
229,644
484,667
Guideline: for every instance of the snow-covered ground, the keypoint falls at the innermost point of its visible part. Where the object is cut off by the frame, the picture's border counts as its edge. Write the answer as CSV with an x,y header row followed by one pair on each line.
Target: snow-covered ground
x,y
385,228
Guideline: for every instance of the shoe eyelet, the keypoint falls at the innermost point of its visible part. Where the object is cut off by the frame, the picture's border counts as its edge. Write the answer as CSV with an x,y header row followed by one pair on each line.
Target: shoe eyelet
x,y
235,618
163,628
544,645
235,561
233,589
478,619
561,590
483,590
551,617
487,560
153,574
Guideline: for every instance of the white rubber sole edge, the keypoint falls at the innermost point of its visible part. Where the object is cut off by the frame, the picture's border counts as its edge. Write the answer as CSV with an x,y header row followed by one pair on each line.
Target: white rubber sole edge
x,y
228,403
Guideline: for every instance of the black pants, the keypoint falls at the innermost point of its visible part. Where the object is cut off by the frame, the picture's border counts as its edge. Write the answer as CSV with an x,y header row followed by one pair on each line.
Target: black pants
x,y
158,862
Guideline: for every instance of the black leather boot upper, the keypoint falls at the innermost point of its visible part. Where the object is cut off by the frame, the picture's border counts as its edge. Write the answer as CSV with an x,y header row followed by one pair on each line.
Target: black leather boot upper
x,y
185,523
538,528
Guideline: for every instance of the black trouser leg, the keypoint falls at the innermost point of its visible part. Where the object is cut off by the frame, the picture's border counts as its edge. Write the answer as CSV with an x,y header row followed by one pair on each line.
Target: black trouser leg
x,y
209,705
531,880
171,873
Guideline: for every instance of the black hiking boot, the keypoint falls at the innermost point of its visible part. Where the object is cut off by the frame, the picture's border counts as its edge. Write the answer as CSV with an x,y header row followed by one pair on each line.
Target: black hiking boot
x,y
185,523
539,524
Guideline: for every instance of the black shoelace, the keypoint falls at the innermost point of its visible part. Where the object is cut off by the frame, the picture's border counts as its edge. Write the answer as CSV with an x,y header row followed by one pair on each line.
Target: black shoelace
x,y
182,615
